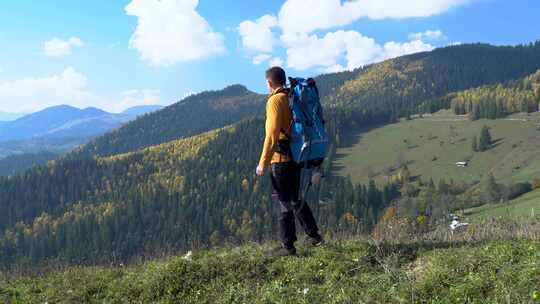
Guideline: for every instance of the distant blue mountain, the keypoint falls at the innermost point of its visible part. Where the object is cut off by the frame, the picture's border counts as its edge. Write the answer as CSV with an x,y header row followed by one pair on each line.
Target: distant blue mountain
x,y
5,116
62,121
141,110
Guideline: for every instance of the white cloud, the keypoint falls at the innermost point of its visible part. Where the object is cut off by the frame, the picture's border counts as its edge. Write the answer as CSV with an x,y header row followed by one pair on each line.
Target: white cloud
x,y
33,93
309,51
427,35
305,51
257,35
137,98
338,50
361,50
188,94
57,47
395,49
171,31
261,58
276,61
333,69
305,16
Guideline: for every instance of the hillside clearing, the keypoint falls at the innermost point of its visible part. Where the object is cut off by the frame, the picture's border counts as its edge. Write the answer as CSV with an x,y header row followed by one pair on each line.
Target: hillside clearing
x,y
430,146
527,205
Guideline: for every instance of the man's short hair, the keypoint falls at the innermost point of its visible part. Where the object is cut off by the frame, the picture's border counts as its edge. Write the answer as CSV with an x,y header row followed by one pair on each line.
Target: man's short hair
x,y
276,75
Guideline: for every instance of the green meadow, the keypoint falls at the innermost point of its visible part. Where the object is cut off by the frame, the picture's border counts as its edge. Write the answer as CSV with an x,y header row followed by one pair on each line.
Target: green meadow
x,y
431,145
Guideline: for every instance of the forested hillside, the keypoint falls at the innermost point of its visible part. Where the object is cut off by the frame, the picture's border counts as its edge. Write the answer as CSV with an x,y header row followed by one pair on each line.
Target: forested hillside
x,y
193,115
142,190
413,83
19,162
182,194
499,100
400,86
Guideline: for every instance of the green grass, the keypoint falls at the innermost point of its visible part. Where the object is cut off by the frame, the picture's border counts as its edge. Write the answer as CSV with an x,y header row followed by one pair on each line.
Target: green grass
x,y
527,205
347,272
447,138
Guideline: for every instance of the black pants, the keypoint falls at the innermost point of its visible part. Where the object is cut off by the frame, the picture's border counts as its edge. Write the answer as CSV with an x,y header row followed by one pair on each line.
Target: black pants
x,y
285,191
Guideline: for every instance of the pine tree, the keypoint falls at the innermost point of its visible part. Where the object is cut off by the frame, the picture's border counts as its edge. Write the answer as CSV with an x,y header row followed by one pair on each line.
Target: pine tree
x,y
431,184
491,191
404,175
215,238
444,188
485,139
475,112
474,144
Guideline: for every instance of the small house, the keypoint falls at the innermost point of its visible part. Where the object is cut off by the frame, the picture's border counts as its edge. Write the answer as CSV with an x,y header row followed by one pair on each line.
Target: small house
x,y
462,164
457,226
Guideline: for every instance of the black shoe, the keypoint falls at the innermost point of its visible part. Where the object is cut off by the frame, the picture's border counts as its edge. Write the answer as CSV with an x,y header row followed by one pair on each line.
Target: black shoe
x,y
281,252
314,241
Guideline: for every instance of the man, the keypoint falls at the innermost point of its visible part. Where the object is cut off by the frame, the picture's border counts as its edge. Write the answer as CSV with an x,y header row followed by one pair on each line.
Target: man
x,y
285,173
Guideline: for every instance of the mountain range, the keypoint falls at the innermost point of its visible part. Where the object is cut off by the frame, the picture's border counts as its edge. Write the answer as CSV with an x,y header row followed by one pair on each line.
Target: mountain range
x,y
192,115
65,121
183,177
141,110
39,137
7,116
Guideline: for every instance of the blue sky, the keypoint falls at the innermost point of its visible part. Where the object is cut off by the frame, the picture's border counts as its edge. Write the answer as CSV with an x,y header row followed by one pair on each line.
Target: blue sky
x,y
116,54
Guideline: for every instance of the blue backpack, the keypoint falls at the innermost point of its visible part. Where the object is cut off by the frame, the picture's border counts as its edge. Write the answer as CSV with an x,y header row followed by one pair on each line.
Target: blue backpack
x,y
308,141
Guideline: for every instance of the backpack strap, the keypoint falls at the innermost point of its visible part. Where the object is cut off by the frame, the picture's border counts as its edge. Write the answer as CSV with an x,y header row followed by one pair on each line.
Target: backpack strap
x,y
284,145
311,83
293,83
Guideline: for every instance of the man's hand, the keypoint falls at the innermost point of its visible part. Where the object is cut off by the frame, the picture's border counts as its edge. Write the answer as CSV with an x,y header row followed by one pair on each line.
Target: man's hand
x,y
259,171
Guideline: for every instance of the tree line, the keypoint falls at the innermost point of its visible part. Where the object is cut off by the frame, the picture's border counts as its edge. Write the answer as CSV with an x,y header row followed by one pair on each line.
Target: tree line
x,y
422,82
500,100
183,194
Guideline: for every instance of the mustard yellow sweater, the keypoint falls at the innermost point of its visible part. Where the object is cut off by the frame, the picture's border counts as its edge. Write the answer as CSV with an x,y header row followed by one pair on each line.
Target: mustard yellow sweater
x,y
278,120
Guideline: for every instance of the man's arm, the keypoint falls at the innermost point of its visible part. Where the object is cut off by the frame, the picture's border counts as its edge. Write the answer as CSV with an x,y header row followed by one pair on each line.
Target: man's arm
x,y
272,133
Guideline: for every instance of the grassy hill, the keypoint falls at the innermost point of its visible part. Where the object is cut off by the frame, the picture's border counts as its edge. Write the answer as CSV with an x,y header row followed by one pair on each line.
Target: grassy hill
x,y
525,206
192,115
432,144
340,272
